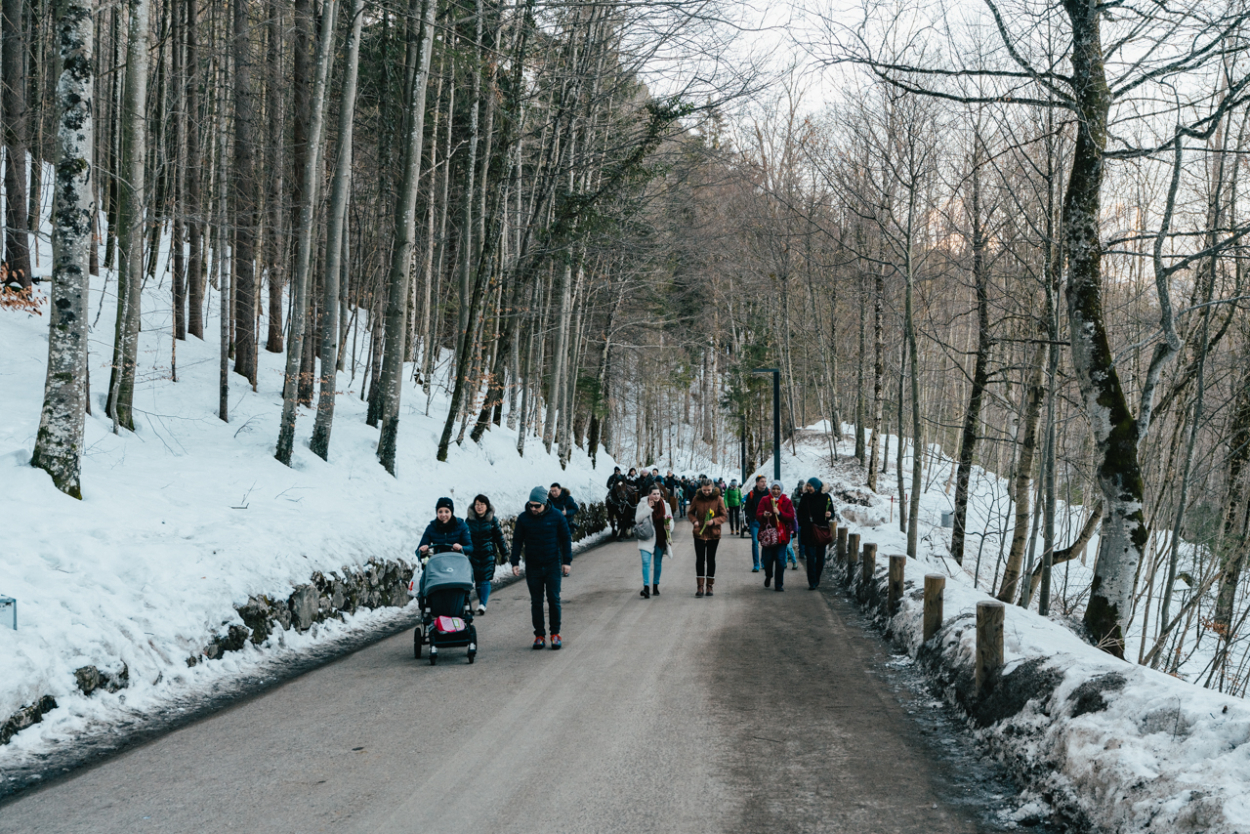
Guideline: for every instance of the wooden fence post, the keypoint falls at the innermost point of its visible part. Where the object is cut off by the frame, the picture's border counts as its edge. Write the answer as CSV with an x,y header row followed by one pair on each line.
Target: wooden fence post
x,y
990,617
934,586
841,546
852,557
898,565
868,565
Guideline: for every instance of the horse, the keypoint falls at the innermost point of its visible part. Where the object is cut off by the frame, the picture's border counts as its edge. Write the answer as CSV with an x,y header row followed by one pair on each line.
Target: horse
x,y
622,500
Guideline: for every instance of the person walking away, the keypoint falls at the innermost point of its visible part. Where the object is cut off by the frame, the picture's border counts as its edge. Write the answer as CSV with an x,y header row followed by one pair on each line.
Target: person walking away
x,y
489,547
814,514
707,514
562,500
792,549
733,503
654,509
445,532
751,510
542,535
776,520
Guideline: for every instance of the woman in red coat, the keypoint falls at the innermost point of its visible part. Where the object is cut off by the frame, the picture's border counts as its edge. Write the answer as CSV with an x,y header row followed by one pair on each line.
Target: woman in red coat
x,y
775,514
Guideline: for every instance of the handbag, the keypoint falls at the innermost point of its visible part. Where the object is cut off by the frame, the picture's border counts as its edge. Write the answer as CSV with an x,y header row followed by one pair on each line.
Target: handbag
x,y
770,534
822,535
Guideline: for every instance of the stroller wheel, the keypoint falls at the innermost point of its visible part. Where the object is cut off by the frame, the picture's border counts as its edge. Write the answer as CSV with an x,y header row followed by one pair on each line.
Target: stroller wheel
x,y
471,657
433,659
416,644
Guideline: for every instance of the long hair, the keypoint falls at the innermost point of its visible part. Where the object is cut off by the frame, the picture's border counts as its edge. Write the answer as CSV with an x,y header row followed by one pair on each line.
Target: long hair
x,y
484,500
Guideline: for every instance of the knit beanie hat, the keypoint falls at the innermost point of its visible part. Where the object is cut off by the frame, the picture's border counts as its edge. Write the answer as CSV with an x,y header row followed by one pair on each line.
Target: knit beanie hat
x,y
815,484
538,495
445,502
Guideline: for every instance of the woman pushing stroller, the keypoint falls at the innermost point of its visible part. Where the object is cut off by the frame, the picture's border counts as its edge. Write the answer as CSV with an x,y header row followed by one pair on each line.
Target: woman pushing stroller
x,y
445,532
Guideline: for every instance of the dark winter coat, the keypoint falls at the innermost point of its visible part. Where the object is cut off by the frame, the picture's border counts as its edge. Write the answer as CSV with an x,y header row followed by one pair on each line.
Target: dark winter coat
x,y
700,506
440,537
753,502
488,544
543,539
770,511
565,504
811,513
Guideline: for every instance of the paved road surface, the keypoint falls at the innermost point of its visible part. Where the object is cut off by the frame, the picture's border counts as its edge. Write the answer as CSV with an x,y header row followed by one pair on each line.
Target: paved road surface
x,y
752,711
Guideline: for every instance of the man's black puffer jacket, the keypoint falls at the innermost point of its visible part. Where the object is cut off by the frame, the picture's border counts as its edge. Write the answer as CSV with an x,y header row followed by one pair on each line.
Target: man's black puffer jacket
x,y
488,544
543,539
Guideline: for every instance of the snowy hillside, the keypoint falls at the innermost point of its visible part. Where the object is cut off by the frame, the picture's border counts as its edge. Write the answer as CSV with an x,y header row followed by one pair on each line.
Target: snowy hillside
x,y
188,516
1123,746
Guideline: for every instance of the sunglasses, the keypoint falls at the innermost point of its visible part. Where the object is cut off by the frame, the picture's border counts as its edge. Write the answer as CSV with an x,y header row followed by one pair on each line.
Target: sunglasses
x,y
533,506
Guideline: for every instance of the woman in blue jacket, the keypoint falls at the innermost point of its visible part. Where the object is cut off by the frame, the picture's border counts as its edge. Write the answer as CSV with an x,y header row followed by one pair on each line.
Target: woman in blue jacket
x,y
445,532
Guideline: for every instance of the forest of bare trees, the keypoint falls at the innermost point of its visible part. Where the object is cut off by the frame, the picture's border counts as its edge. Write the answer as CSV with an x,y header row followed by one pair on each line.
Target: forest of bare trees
x,y
1019,244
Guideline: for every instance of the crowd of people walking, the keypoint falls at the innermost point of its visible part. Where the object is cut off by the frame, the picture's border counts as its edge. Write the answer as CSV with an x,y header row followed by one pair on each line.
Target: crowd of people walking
x,y
782,528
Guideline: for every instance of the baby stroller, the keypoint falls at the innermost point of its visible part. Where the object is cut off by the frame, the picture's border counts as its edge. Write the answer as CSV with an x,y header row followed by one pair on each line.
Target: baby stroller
x,y
446,618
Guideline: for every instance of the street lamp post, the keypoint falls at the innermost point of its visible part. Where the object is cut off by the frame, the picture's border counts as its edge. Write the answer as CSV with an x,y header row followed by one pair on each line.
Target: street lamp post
x,y
776,372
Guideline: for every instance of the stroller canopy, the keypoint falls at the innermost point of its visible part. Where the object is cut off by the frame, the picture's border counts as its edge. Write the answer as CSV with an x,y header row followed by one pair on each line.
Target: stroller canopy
x,y
447,571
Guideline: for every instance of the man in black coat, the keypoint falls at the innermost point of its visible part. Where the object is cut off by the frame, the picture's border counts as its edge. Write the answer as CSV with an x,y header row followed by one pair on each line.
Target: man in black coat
x,y
542,534
562,500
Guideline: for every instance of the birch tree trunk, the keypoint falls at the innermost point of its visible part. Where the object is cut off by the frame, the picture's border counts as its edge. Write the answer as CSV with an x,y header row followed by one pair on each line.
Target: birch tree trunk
x,y
195,223
401,254
58,446
303,263
334,240
245,192
1033,394
130,216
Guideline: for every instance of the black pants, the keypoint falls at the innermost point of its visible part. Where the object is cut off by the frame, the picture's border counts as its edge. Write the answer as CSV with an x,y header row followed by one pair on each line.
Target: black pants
x,y
735,519
705,557
775,561
814,555
544,580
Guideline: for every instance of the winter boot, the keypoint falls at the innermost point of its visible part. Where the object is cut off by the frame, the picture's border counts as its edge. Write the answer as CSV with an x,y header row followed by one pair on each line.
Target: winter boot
x,y
655,590
710,580
645,593
699,592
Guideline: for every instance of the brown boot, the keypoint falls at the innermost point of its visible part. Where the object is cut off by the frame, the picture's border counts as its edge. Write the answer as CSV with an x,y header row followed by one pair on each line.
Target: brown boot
x,y
699,592
710,580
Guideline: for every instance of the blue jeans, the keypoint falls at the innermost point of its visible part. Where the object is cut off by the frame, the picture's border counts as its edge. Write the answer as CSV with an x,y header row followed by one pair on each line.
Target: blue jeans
x,y
775,562
647,558
790,557
755,545
483,592
545,579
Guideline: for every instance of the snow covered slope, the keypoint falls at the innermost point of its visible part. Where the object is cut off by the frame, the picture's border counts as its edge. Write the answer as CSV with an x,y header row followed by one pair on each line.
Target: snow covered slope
x,y
189,516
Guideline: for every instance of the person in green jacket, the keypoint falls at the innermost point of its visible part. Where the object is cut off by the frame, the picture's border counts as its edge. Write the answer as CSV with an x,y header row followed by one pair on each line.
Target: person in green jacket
x,y
733,500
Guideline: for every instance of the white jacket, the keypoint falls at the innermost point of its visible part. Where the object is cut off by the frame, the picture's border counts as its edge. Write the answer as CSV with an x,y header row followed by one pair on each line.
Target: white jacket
x,y
644,511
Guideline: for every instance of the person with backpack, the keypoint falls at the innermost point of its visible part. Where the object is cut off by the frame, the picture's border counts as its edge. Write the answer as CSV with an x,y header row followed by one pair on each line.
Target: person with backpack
x,y
750,508
489,547
542,535
445,532
815,513
733,503
707,514
653,527
776,521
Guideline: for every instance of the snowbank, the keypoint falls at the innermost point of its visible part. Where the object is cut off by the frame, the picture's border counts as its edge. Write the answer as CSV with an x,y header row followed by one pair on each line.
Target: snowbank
x,y
188,517
1104,741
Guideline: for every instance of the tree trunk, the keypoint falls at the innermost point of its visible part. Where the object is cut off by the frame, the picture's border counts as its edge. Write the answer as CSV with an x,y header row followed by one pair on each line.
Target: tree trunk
x,y
878,372
130,218
1033,395
275,255
303,262
334,240
245,193
195,224
401,254
59,444
1116,432
16,130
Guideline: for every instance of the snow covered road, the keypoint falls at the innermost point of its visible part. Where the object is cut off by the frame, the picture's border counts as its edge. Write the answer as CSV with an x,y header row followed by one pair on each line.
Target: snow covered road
x,y
751,711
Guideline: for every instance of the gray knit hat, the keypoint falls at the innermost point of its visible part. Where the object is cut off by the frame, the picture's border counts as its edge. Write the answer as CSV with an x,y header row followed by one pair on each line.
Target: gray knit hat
x,y
538,495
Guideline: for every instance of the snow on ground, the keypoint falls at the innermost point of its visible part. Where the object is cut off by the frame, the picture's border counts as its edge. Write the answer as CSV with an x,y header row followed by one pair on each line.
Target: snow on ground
x,y
186,517
1128,748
